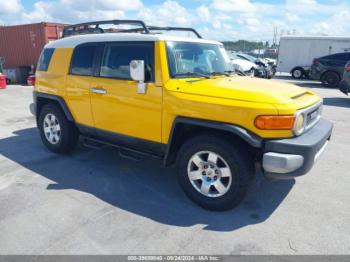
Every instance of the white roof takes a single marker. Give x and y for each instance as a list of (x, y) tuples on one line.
[(73, 41)]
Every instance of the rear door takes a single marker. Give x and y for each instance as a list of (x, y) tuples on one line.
[(117, 107), (78, 83)]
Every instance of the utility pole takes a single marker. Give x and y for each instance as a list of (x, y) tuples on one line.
[(275, 32)]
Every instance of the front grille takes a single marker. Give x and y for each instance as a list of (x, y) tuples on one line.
[(312, 116)]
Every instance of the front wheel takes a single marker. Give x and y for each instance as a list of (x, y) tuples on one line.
[(213, 173)]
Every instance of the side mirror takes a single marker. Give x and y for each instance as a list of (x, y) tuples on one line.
[(137, 73)]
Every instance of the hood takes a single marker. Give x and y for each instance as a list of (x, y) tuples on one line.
[(244, 64), (248, 89)]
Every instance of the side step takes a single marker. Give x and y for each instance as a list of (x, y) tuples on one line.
[(124, 152), (93, 144), (128, 154)]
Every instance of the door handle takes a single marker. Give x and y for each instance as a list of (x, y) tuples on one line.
[(98, 90)]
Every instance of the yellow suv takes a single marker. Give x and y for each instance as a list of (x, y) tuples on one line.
[(176, 99)]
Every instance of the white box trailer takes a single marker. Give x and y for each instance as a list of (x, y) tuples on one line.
[(298, 52)]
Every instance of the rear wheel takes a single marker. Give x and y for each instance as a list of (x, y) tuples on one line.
[(57, 133), (330, 79), (213, 173)]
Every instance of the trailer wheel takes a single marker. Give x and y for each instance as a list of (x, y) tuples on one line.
[(297, 73)]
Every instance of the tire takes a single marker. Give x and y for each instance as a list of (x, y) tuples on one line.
[(232, 160), (330, 79), (297, 73), (57, 133)]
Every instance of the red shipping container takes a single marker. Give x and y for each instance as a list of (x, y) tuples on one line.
[(2, 81), (21, 45)]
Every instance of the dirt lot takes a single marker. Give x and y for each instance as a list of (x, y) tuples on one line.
[(95, 202)]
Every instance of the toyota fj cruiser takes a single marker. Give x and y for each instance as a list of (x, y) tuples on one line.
[(176, 99)]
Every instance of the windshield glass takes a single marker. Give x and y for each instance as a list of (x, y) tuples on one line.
[(189, 59), (249, 57), (233, 56)]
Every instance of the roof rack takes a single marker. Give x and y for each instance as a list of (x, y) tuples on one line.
[(86, 28), (164, 28), (170, 28)]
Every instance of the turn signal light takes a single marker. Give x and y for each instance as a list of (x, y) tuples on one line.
[(284, 122)]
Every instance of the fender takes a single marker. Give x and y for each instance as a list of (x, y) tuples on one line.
[(247, 136), (58, 99)]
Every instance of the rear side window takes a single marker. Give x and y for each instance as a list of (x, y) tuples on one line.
[(83, 60), (339, 56), (116, 60), (45, 58)]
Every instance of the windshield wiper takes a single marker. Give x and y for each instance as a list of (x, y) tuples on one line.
[(225, 73), (189, 74), (240, 73)]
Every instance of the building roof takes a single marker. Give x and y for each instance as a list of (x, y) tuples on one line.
[(73, 41)]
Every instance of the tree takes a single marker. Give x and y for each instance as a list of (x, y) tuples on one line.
[(244, 45)]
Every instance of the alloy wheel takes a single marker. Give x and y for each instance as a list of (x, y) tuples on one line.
[(209, 174), (52, 129)]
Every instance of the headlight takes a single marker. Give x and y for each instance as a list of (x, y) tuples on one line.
[(299, 124)]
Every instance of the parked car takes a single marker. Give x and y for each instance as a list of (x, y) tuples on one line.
[(31, 80), (239, 64), (173, 99), (329, 69), (2, 81), (265, 70), (344, 85)]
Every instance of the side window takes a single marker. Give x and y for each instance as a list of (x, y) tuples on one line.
[(82, 60), (44, 59), (117, 57), (347, 56), (340, 56)]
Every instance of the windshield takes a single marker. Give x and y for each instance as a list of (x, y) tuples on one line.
[(248, 57), (233, 56), (195, 59)]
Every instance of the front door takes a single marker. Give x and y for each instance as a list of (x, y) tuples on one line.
[(117, 107)]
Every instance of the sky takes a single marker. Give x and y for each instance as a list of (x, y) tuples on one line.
[(214, 19)]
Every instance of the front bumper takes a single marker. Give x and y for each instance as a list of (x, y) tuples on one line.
[(344, 86), (263, 72), (292, 157)]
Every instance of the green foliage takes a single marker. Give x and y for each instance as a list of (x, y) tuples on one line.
[(244, 45)]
